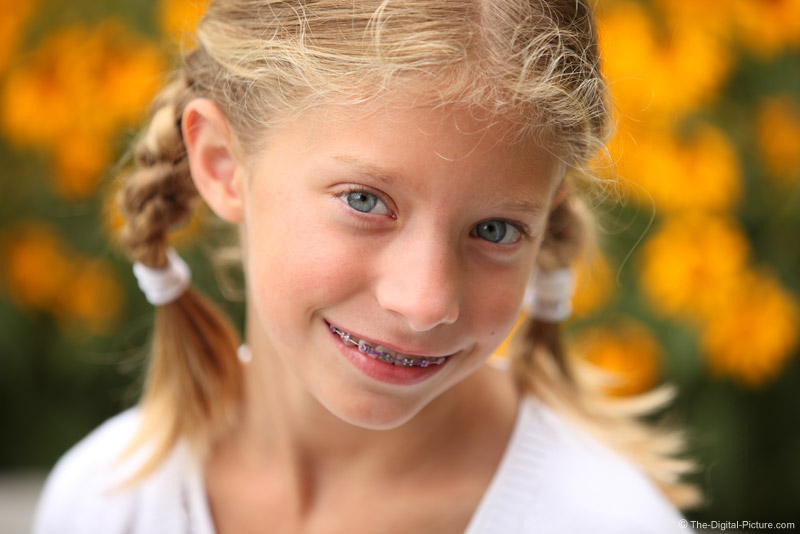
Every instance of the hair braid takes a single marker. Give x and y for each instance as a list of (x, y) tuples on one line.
[(542, 367), (194, 379), (159, 193)]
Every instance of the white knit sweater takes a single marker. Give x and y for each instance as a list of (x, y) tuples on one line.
[(552, 479)]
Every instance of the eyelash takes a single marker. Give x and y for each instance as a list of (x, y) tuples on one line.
[(522, 228)]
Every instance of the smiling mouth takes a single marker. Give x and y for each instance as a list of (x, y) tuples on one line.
[(386, 355)]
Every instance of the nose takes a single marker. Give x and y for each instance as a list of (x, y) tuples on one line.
[(420, 281)]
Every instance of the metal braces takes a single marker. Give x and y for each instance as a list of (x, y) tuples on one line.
[(366, 348)]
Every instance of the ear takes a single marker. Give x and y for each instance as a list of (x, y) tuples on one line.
[(212, 159)]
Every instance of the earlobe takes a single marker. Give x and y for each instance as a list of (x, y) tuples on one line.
[(212, 159)]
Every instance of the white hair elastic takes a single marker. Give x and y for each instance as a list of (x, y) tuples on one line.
[(549, 295), (164, 285)]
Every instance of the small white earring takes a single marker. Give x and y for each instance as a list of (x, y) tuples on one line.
[(244, 354)]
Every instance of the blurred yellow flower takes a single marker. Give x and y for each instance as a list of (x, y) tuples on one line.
[(778, 129), (178, 18), (12, 25), (93, 297), (594, 285), (696, 64), (716, 16), (80, 162), (36, 265), (36, 109), (627, 43), (627, 350), (42, 272), (133, 73), (767, 27), (752, 336), (691, 261), (656, 73), (699, 170), (73, 94)]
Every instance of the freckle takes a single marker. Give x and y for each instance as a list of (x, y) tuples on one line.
[(492, 333)]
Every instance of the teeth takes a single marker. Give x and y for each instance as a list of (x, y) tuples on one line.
[(386, 355)]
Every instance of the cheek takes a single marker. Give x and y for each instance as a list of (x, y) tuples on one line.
[(295, 266), (498, 304), (495, 311)]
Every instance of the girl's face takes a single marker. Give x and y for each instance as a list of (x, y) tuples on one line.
[(411, 228)]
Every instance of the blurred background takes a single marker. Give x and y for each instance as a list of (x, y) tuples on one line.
[(697, 281)]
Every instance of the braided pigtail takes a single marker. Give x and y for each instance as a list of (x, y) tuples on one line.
[(571, 387), (193, 383)]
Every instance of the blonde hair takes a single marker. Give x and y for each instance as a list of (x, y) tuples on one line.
[(533, 62)]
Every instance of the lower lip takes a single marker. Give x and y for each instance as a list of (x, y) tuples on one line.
[(385, 372)]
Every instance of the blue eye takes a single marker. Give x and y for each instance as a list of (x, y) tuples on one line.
[(496, 231), (365, 202)]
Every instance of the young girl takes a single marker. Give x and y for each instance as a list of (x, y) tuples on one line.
[(401, 176)]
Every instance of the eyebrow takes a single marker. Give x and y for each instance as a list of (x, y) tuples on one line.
[(388, 176), (369, 169), (520, 204)]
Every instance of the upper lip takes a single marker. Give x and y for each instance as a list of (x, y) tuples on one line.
[(413, 351)]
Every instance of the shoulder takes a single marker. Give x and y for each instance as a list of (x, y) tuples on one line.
[(596, 481), (88, 491), (557, 478)]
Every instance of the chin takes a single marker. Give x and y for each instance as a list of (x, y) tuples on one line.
[(373, 413)]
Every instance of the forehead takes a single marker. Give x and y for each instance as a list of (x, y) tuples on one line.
[(398, 136)]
